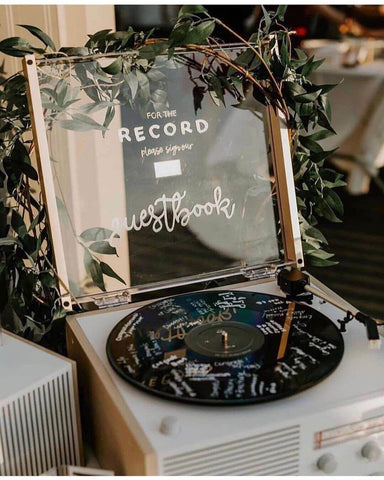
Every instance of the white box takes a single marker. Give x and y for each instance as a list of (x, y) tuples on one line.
[(39, 414)]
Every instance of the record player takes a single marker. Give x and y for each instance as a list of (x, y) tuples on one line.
[(218, 356)]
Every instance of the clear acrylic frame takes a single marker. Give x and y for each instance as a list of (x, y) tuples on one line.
[(164, 195)]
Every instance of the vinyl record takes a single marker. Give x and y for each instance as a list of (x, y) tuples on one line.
[(225, 347)]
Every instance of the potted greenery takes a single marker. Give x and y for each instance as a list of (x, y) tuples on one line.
[(29, 297)]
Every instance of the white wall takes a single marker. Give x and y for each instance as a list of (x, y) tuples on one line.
[(68, 25)]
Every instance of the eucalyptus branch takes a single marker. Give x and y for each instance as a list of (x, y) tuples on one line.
[(272, 78), (238, 68)]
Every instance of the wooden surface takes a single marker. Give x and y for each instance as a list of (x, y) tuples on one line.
[(116, 438)]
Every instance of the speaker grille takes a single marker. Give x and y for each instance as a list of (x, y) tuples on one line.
[(271, 453), (38, 429)]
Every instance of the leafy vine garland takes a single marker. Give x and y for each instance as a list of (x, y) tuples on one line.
[(277, 75)]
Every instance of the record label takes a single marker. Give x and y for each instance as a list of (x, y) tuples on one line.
[(225, 347)]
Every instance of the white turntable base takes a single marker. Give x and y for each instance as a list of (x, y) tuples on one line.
[(270, 438)]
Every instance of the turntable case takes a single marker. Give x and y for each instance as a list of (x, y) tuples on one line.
[(85, 169)]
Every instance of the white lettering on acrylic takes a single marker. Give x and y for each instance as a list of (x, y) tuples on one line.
[(151, 129), (169, 129), (168, 149), (169, 212)]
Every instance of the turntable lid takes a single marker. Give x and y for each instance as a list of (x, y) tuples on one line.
[(153, 189)]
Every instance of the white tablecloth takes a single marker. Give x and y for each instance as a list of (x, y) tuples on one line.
[(358, 118)]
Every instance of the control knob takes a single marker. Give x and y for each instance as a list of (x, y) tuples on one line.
[(169, 426), (371, 451), (327, 463)]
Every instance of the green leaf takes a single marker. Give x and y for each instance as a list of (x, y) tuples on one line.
[(323, 121), (334, 201), (156, 75), (107, 270), (74, 125), (267, 18), (132, 82), (245, 58), (46, 39), (159, 96), (108, 118), (21, 160), (93, 268), (142, 62), (198, 34), (96, 234), (324, 208), (96, 37), (16, 47), (284, 54), (311, 66), (315, 233), (320, 135), (152, 51), (29, 171), (145, 91), (59, 313), (322, 155), (280, 12), (294, 88), (102, 247), (191, 10), (179, 33), (18, 224), (47, 279), (5, 242), (301, 58), (94, 107), (202, 32), (320, 262), (327, 87), (80, 123), (62, 91), (114, 67), (75, 51), (238, 84), (216, 91), (198, 95), (4, 287), (120, 38), (307, 97), (171, 51), (313, 146)]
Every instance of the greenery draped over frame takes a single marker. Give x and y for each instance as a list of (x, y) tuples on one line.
[(277, 75)]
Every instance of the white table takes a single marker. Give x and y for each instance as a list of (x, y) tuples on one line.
[(358, 118)]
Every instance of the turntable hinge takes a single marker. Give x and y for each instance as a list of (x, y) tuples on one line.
[(252, 273), (113, 300)]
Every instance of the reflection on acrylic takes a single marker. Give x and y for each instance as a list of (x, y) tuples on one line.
[(194, 168)]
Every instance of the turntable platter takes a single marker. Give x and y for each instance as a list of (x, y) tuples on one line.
[(225, 347)]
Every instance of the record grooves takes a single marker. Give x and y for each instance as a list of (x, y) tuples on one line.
[(225, 347)]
